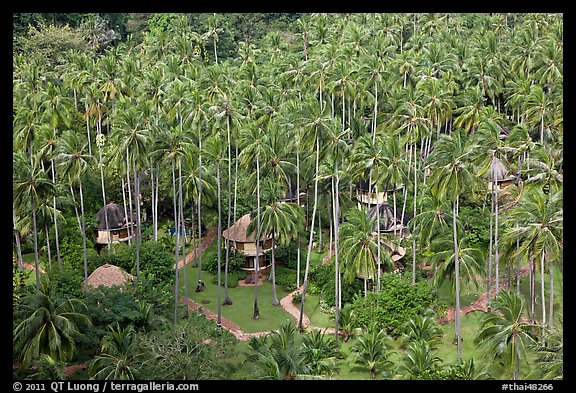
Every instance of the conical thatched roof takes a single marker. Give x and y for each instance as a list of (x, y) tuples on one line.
[(240, 231), (498, 170), (115, 217), (387, 221), (108, 275)]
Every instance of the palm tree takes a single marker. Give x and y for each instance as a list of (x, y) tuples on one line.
[(119, 355), (422, 327), (279, 220), (50, 325), (30, 186), (74, 161), (214, 148), (254, 140), (505, 333), (418, 359), (537, 221), (451, 176), (360, 248), (371, 350)]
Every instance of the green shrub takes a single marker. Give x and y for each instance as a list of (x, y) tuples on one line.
[(233, 278), (397, 302), (235, 260)]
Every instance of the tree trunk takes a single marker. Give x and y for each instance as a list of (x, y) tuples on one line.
[(49, 251), (275, 301), (219, 318), (378, 252), (336, 273), (56, 220), (177, 246), (298, 193), (414, 227), (457, 278), (256, 264), (85, 256), (103, 188), (131, 227), (138, 226), (496, 253), (183, 226), (311, 235), (532, 288), (227, 300), (542, 295), (200, 285), (551, 295), (17, 238), (125, 209)]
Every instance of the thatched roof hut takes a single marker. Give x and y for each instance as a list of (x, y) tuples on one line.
[(238, 231), (108, 275), (116, 219), (387, 221)]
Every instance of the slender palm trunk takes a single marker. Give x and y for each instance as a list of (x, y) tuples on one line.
[(48, 248), (490, 246), (298, 192), (138, 223), (176, 248), (543, 298), (155, 207), (109, 235), (85, 256), (311, 235), (153, 202), (457, 278), (131, 227), (88, 130), (226, 293), (414, 211), (35, 235), (532, 288), (74, 202), (18, 245), (378, 238), (496, 254), (551, 295), (56, 219), (219, 318), (275, 301), (183, 228), (125, 209), (517, 268), (336, 266), (256, 260), (200, 285)]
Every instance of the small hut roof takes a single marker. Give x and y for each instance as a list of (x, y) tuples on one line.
[(240, 231), (498, 170), (108, 275), (387, 221), (115, 215)]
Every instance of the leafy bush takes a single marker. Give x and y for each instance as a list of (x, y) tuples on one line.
[(397, 302), (233, 278), (235, 260), (68, 283)]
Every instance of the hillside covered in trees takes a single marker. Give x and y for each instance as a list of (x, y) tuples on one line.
[(288, 196)]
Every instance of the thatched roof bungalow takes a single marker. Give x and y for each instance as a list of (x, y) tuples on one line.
[(388, 223), (241, 241), (500, 174), (120, 229)]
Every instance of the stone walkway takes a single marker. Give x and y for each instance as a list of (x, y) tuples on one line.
[(481, 304)]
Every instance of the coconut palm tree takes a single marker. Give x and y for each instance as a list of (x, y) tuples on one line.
[(119, 355), (30, 188), (371, 350), (451, 176), (215, 150), (255, 142), (73, 161), (422, 327), (50, 325), (360, 248), (538, 222), (418, 359), (505, 333), (279, 220)]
